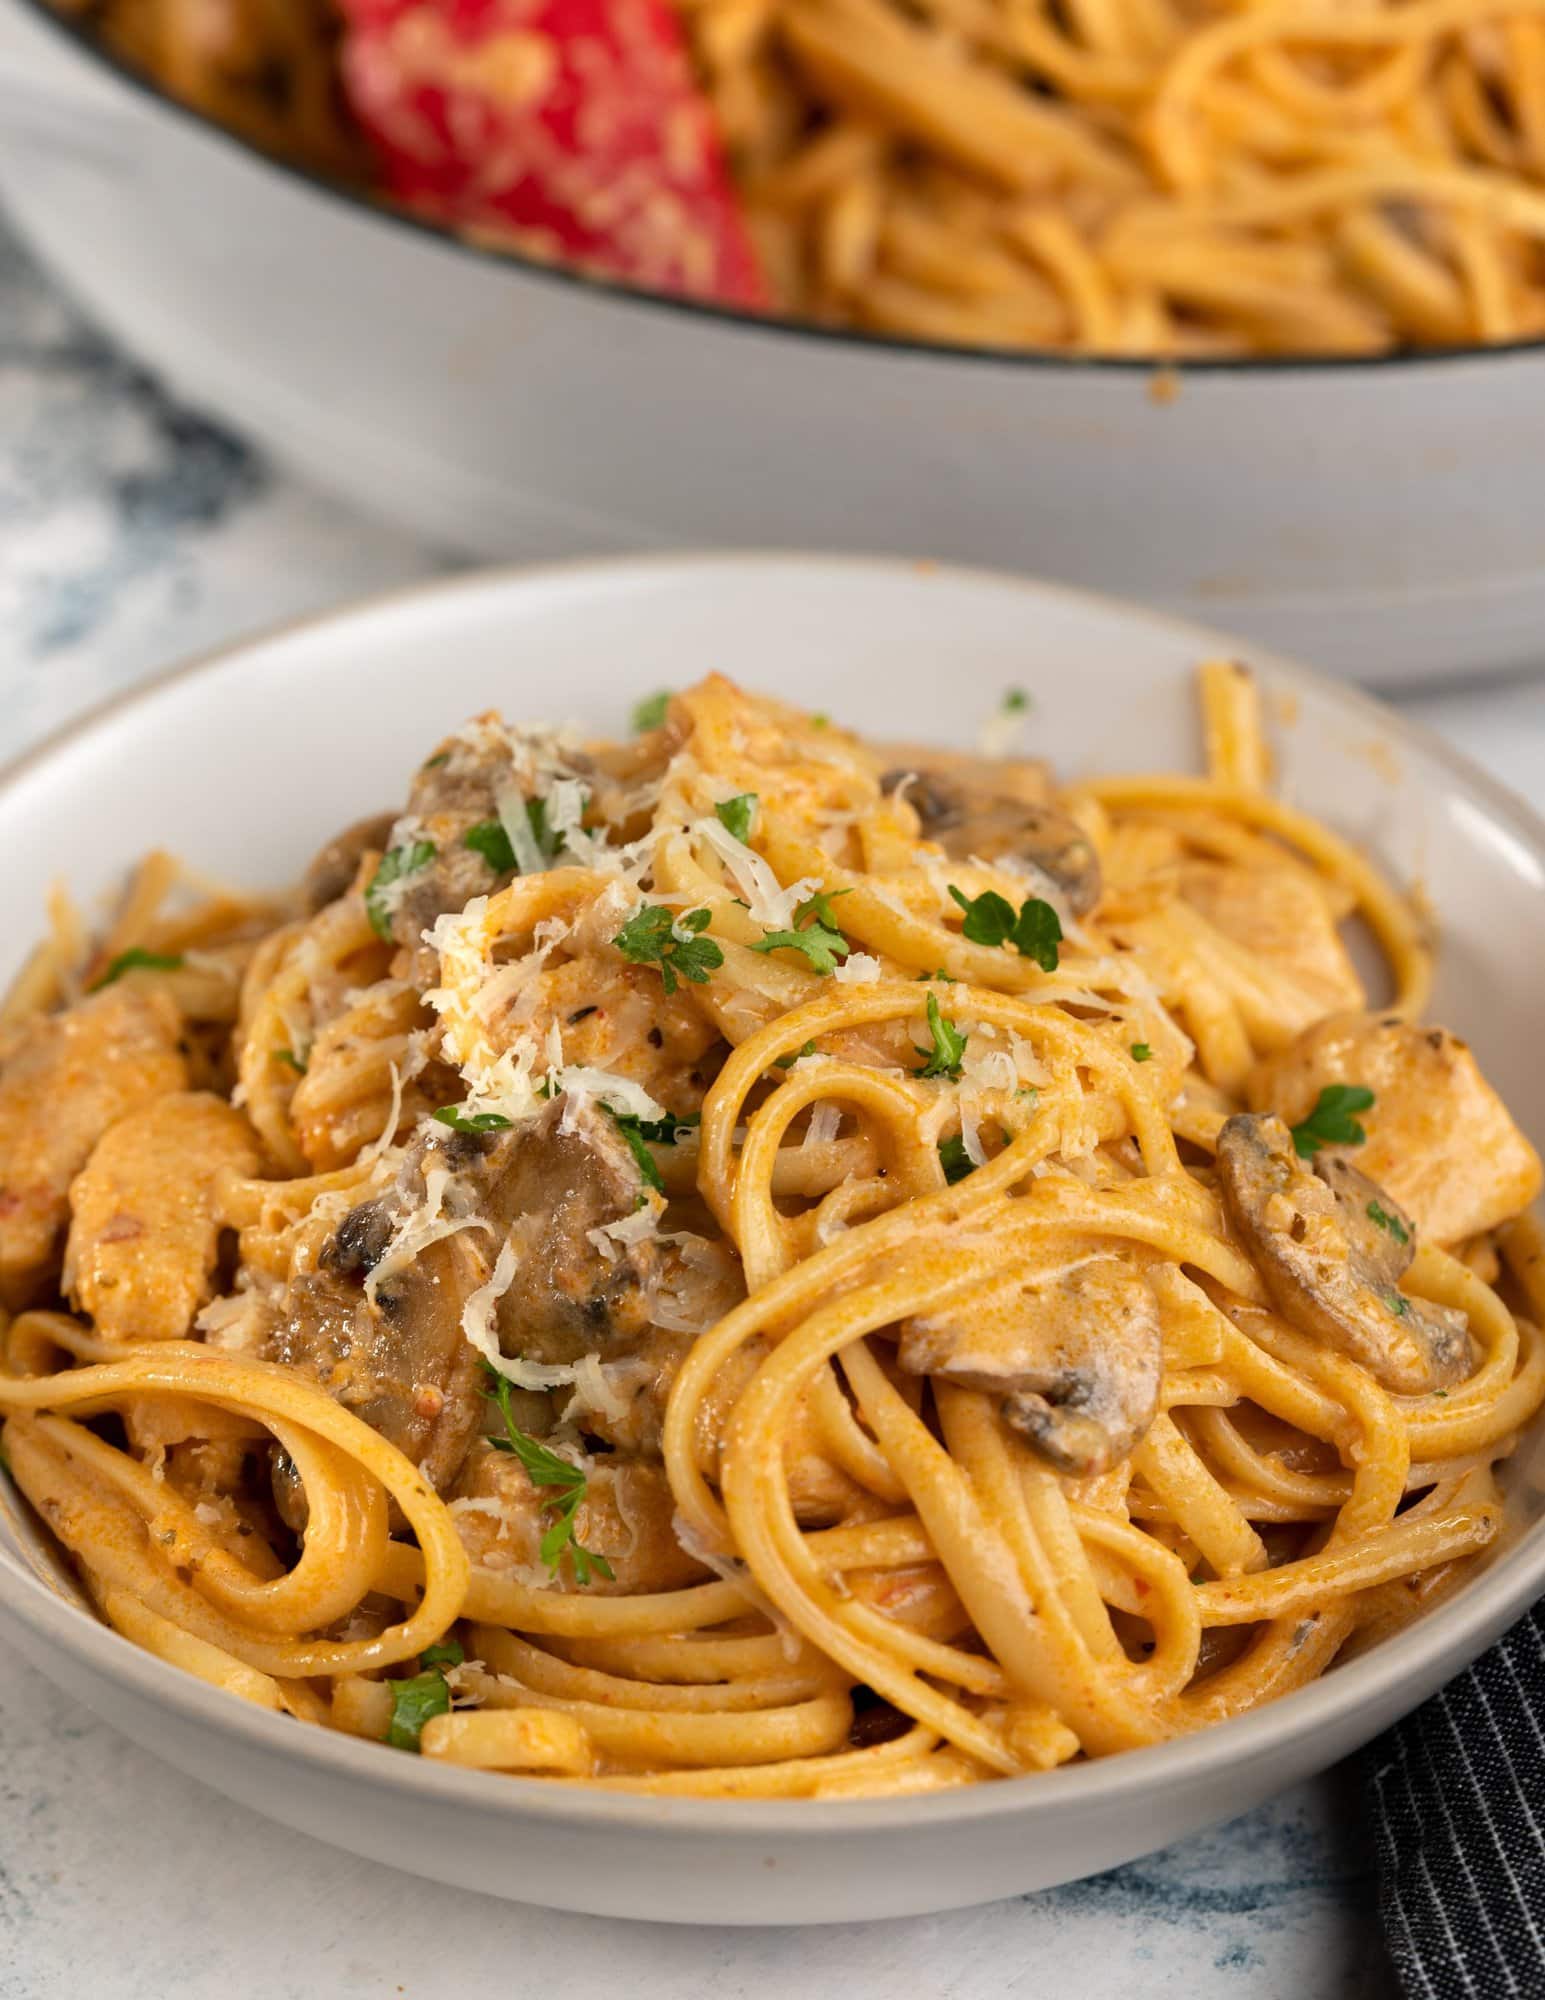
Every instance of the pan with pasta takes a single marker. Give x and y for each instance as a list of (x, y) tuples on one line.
[(1134, 177), (752, 1261)]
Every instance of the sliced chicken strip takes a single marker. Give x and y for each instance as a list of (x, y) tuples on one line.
[(65, 1079)]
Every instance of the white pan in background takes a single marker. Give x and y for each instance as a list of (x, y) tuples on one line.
[(1382, 517), (246, 761)]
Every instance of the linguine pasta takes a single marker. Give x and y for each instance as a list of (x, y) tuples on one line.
[(1117, 177), (745, 1262)]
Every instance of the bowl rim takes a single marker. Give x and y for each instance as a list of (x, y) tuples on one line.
[(1461, 1625), (799, 332)]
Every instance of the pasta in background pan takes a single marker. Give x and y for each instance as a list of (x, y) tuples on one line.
[(1129, 177), (750, 1263)]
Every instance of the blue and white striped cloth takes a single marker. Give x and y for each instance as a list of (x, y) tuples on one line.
[(1457, 1798)]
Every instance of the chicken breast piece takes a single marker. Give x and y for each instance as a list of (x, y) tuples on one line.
[(65, 1079), (1279, 916), (145, 1230), (625, 1516), (1440, 1140)]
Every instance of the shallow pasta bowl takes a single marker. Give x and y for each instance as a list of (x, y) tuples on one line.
[(246, 760)]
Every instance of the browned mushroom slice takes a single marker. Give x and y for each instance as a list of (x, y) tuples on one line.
[(971, 806), (379, 1323), (333, 868), (1332, 1247), (1075, 1353), (398, 1358)]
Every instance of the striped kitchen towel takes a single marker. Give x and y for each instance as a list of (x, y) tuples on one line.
[(1456, 1793)]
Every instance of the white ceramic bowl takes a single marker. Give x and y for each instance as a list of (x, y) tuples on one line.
[(245, 761), (1380, 517)]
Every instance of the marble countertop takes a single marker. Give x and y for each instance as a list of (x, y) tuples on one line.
[(132, 533)]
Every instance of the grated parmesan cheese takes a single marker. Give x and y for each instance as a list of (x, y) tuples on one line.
[(769, 903), (858, 969)]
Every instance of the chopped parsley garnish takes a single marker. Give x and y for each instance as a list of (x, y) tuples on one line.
[(299, 1063), (434, 763), (948, 978), (819, 939), (447, 1654), (653, 935), (1381, 1218), (955, 1160), (650, 712), (413, 1703), (137, 959), (949, 1045), (632, 1131), (1015, 701), (392, 867), (788, 1062), (990, 920), (545, 1468), (1331, 1122), (666, 1131), (1398, 1303), (545, 837), (489, 839), (1141, 1052), (738, 815), (641, 1133), (820, 720), (476, 1121)]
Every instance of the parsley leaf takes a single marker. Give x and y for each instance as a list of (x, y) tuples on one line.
[(137, 959), (299, 1063), (632, 1131), (1331, 1122), (949, 1045), (737, 815), (1381, 1218), (1038, 932), (990, 920), (1141, 1052), (392, 867), (476, 1121), (788, 1062), (489, 839), (433, 763), (1015, 701), (666, 1131), (1398, 1303), (413, 1703), (653, 936), (650, 712), (447, 1654), (955, 1160), (545, 1468), (819, 938), (947, 978), (820, 720)]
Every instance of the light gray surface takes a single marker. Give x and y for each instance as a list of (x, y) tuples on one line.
[(130, 535)]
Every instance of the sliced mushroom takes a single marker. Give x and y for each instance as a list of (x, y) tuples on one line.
[(333, 867), (1332, 1247), (1075, 1354), (970, 806), (379, 1322)]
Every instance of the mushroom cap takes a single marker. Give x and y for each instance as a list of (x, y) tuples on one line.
[(1331, 1246)]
